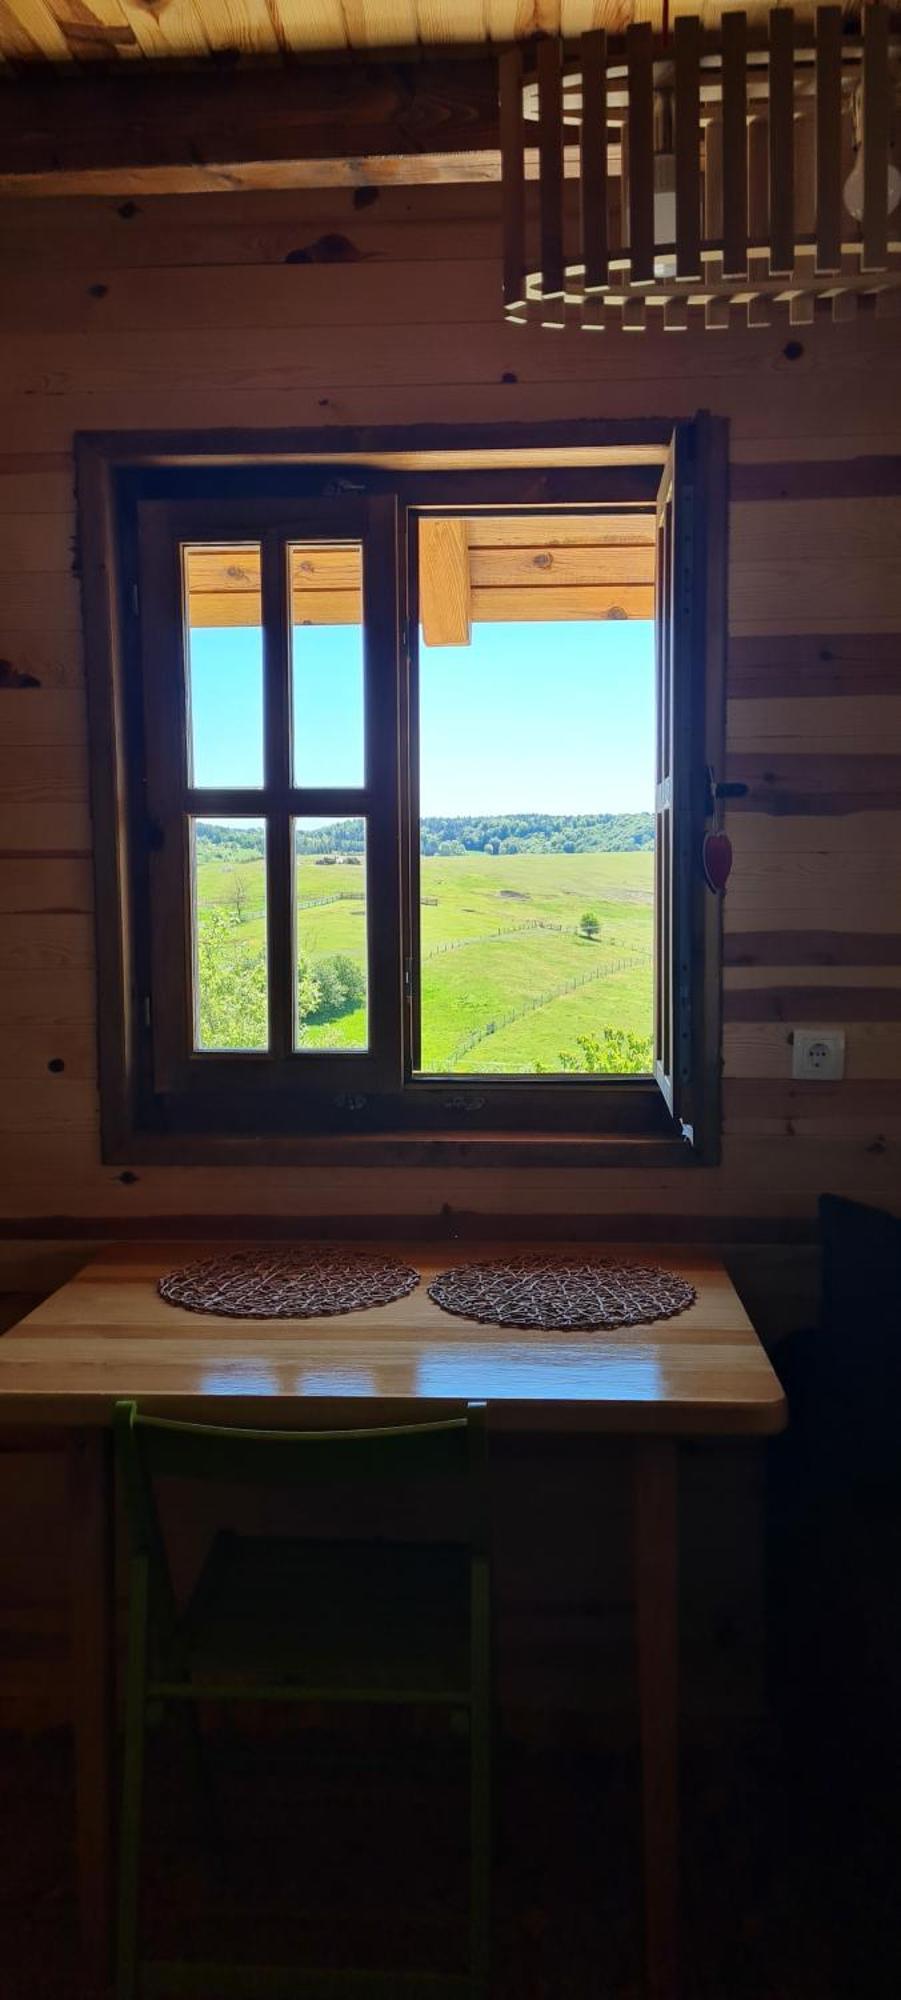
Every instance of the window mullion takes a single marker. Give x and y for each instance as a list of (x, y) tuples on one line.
[(277, 757), (382, 582), (410, 809)]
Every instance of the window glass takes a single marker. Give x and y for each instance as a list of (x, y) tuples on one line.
[(327, 663), (536, 784), (224, 665), (331, 944), (229, 944)]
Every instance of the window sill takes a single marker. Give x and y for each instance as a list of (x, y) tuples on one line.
[(406, 1149)]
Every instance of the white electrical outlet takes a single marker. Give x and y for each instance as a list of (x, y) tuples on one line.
[(818, 1054)]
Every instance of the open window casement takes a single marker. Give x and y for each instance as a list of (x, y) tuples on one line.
[(689, 619)]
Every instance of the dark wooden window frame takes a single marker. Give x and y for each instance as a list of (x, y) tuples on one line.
[(207, 1079), (278, 1108)]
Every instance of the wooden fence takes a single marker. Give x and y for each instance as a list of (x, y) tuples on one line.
[(544, 1000)]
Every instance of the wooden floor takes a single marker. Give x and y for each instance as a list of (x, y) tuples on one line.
[(321, 1837)]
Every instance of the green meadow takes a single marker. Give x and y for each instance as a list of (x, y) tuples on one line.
[(509, 980)]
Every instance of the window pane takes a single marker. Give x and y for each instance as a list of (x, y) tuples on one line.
[(224, 653), (228, 870), (536, 796), (327, 653), (332, 935)]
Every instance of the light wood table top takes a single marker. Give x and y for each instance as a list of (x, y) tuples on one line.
[(108, 1334)]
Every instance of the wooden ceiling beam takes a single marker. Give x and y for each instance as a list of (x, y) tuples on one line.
[(536, 568), (445, 582), (566, 531), (312, 125), (478, 569), (558, 603)]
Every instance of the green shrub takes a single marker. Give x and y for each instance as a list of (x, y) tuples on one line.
[(341, 987), (615, 1052)]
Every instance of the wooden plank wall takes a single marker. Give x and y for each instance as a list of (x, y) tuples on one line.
[(383, 307), (376, 307)]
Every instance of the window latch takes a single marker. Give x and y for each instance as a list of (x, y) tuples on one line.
[(721, 788)]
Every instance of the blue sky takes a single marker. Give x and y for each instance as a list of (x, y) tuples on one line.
[(528, 718)]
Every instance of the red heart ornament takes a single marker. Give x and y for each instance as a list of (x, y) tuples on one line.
[(717, 859)]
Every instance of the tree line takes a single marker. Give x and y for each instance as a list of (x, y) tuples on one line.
[(507, 833)]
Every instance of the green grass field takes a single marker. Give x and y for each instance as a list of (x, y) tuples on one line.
[(501, 949)]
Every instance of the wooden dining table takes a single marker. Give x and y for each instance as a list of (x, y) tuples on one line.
[(107, 1334)]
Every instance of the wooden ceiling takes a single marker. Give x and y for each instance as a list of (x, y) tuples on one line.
[(191, 96), (88, 31)]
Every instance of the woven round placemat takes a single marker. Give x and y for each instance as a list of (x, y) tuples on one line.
[(306, 1283), (561, 1292)]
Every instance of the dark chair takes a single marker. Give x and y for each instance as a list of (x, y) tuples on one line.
[(834, 1562), (300, 1620)]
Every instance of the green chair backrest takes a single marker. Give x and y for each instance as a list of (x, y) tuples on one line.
[(152, 1448)]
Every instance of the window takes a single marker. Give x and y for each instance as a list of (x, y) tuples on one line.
[(401, 771), (534, 766)]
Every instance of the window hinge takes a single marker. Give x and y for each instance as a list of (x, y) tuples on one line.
[(147, 1010), (135, 600), (408, 978)]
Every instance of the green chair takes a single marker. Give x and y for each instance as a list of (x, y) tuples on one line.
[(302, 1620)]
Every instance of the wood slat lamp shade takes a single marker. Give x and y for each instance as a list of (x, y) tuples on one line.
[(735, 145), (829, 139), (593, 160), (688, 147), (550, 160), (513, 178), (781, 135), (756, 143), (876, 108), (640, 59)]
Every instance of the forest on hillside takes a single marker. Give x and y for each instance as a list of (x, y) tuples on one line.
[(506, 833)]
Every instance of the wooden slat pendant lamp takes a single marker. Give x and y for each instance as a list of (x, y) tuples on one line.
[(719, 177)]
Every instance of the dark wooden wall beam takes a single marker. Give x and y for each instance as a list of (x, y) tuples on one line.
[(309, 125)]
